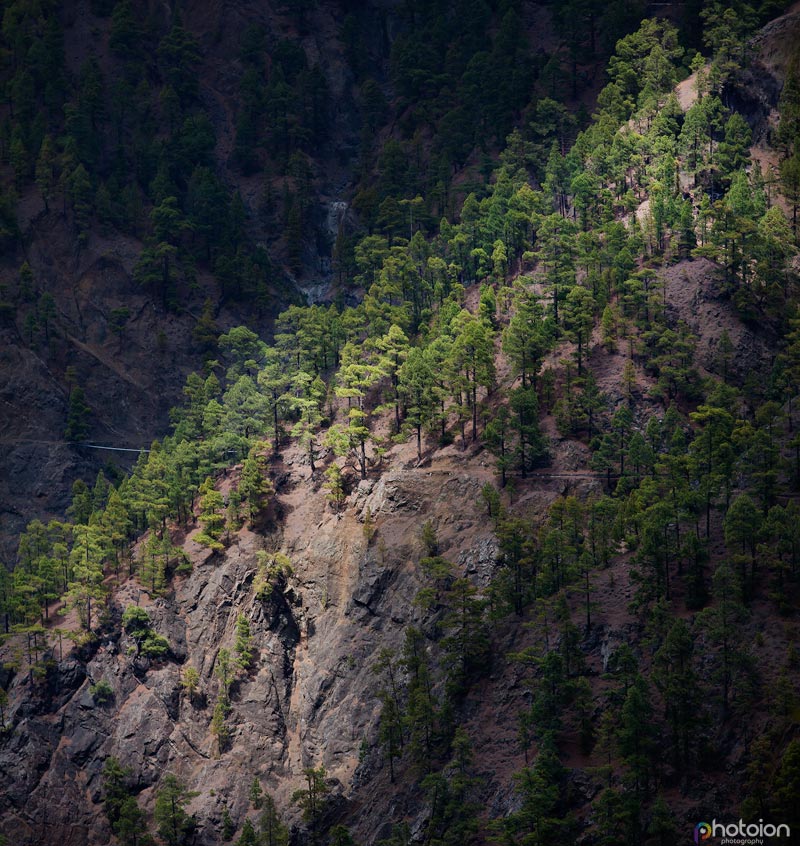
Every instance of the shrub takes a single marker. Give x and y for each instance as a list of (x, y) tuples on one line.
[(101, 692)]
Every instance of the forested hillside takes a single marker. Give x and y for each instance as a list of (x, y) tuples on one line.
[(496, 542), (171, 172)]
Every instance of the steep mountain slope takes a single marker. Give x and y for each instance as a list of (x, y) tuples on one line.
[(282, 111), (310, 699), (106, 333), (600, 649)]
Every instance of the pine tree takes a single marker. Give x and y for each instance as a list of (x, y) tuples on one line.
[(190, 682), (758, 777), (541, 817), (248, 836), (394, 350), (211, 517), (312, 799), (416, 388), (390, 730), (472, 358), (271, 829), (256, 794), (637, 734), (18, 156), (45, 171), (517, 583), (466, 644), (524, 339), (175, 826), (254, 486), (224, 672), (675, 678), (86, 565), (308, 395), (530, 447), (115, 789), (131, 826), (228, 825), (790, 179), (275, 377), (81, 193), (244, 643), (136, 623), (612, 817), (711, 452), (557, 256), (152, 568), (497, 436), (743, 525), (77, 427), (421, 712), (722, 623), (579, 320), (335, 482), (116, 524), (608, 326), (786, 795), (219, 728)]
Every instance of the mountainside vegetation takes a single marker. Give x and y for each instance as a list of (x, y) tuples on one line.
[(521, 297), (189, 170)]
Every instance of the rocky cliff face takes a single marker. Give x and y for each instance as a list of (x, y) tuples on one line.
[(310, 697)]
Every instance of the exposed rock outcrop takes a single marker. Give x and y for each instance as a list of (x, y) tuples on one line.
[(309, 698)]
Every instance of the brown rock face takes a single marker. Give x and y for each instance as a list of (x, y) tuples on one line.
[(309, 698)]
